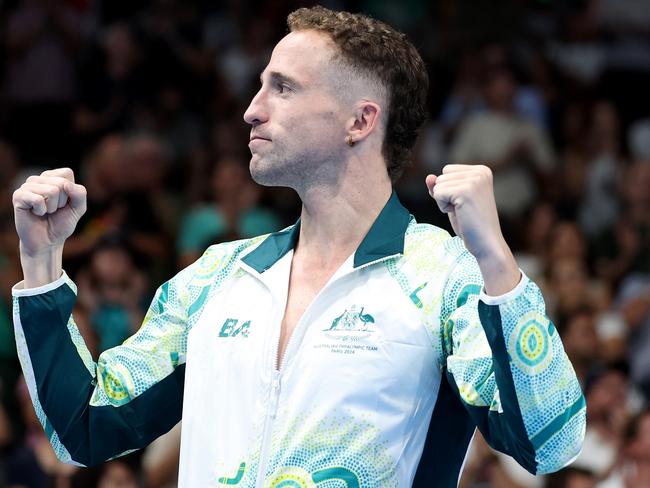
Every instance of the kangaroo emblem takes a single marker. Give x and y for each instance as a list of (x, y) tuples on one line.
[(351, 320)]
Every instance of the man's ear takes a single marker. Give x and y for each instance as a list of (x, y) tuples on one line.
[(365, 121)]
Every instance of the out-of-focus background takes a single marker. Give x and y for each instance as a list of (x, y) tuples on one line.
[(144, 100)]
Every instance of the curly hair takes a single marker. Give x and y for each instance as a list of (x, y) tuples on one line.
[(378, 51)]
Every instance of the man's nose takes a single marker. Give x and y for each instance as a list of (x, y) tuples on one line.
[(256, 113)]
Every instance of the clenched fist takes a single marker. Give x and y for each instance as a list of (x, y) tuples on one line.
[(46, 210), (465, 193)]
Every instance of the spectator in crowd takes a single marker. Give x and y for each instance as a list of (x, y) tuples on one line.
[(598, 208), (124, 472), (574, 156), (233, 213), (118, 474), (625, 246), (168, 117), (105, 177), (486, 467), (572, 478), (608, 411), (153, 209), (516, 149), (639, 140), (241, 63), (534, 237), (160, 460), (127, 176), (113, 295), (569, 282), (9, 272), (466, 98), (174, 29), (578, 332), (30, 461), (42, 39), (634, 303), (112, 84), (636, 452)]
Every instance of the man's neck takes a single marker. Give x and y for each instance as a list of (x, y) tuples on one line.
[(334, 220)]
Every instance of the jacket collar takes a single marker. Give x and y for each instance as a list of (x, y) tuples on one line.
[(385, 238)]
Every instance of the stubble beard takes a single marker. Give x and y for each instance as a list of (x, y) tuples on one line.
[(277, 169), (296, 169)]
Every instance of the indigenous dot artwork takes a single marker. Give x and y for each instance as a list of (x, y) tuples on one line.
[(154, 352), (468, 354), (292, 477), (554, 451), (538, 364), (531, 342), (332, 452), (543, 372)]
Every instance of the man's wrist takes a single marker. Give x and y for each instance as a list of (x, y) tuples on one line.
[(499, 270), (41, 268)]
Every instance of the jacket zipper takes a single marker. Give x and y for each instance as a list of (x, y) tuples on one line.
[(268, 428), (271, 410), (276, 376)]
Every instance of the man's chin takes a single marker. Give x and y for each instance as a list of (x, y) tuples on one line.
[(264, 175)]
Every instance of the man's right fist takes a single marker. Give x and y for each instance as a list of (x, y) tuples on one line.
[(46, 209)]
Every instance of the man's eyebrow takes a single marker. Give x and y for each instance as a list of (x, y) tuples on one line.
[(278, 77)]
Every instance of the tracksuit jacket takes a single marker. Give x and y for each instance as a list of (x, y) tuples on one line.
[(387, 374)]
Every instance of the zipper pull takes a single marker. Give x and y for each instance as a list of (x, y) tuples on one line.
[(275, 393)]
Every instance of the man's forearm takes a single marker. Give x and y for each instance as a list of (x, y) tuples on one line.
[(43, 268), (499, 270)]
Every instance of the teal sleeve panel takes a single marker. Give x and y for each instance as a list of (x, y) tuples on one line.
[(93, 412), (508, 366)]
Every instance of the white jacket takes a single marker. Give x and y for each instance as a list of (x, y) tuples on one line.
[(398, 358)]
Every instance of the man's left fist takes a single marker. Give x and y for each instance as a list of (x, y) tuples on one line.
[(465, 193)]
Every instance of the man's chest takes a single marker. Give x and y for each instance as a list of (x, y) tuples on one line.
[(353, 320), (305, 284)]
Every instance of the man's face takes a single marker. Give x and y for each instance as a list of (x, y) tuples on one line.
[(297, 119)]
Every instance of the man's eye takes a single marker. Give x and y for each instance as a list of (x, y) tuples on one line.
[(281, 87)]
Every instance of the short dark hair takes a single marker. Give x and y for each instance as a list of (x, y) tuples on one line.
[(378, 50)]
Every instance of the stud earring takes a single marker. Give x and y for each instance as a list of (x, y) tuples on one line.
[(349, 141)]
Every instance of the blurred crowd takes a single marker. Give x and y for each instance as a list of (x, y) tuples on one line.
[(144, 100)]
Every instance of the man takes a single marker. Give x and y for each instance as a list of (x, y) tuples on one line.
[(323, 352)]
